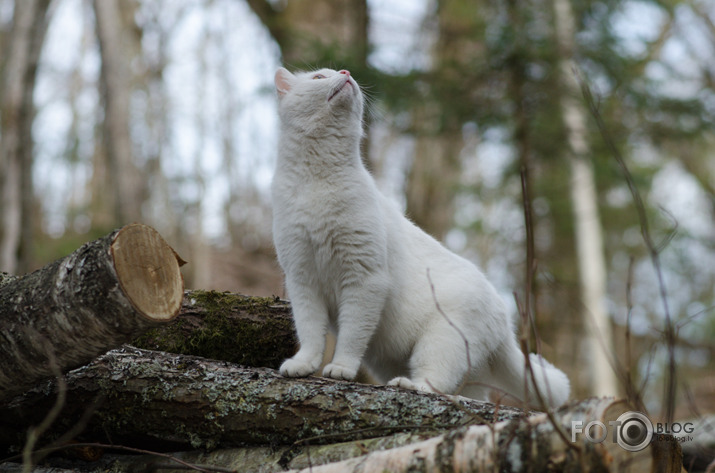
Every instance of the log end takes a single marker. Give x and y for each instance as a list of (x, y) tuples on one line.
[(148, 272)]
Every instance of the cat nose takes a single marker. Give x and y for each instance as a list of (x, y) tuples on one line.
[(347, 73)]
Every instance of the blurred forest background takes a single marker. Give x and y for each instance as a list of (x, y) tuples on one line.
[(163, 112)]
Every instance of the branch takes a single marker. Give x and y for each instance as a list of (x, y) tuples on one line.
[(653, 248)]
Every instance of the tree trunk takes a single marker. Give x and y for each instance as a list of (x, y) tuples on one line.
[(309, 32), (442, 107), (104, 294), (316, 33), (124, 176), (434, 176), (16, 150), (589, 231), (250, 331), (144, 398)]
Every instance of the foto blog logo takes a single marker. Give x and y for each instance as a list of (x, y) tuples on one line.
[(632, 431)]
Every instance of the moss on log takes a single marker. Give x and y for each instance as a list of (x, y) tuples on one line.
[(251, 331)]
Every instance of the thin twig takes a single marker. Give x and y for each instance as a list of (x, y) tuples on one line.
[(192, 467), (653, 248), (531, 266), (34, 433), (633, 394), (526, 317), (548, 411), (376, 428), (459, 331)]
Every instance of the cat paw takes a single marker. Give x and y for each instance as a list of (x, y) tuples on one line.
[(296, 369), (402, 382), (336, 371)]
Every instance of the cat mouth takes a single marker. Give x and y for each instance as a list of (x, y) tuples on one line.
[(337, 91)]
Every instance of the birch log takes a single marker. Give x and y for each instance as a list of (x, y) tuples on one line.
[(523, 444), (587, 223), (104, 294)]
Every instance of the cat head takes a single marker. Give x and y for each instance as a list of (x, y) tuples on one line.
[(323, 101)]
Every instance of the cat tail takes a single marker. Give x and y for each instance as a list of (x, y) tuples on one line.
[(509, 372)]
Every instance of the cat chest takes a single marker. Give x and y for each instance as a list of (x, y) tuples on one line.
[(342, 253), (335, 235)]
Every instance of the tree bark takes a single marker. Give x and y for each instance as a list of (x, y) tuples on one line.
[(16, 150), (523, 444), (250, 331), (103, 295), (515, 443), (164, 401)]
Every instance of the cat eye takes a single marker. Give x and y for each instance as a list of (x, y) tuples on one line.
[(318, 76)]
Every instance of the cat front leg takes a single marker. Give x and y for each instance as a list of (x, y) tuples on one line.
[(358, 317), (310, 315)]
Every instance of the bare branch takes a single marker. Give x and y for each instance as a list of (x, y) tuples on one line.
[(653, 249)]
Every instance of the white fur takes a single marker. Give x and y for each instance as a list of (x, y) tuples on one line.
[(354, 264)]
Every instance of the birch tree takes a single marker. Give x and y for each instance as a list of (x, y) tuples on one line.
[(591, 260), (18, 83)]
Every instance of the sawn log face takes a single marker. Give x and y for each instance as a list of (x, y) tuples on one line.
[(67, 313)]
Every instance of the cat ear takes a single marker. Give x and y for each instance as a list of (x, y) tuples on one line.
[(284, 81)]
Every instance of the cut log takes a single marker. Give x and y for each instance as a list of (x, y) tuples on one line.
[(526, 444), (243, 460), (520, 444), (101, 296), (247, 330), (160, 400), (699, 450)]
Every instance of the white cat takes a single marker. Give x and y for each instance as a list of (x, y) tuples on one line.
[(355, 264)]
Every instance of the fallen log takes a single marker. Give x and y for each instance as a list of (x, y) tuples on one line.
[(166, 401), (520, 444), (247, 459), (525, 444), (247, 330), (101, 296), (699, 450)]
